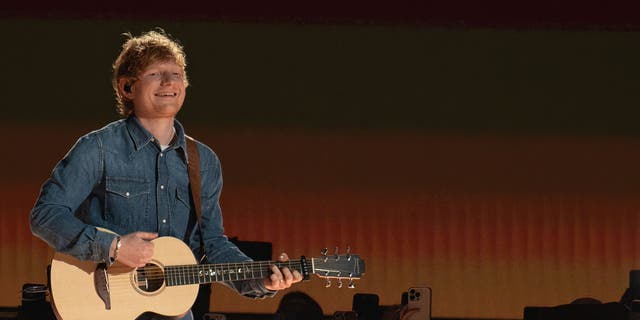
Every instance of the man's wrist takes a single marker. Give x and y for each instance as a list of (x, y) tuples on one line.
[(116, 249)]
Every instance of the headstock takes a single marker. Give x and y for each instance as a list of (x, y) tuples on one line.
[(338, 266)]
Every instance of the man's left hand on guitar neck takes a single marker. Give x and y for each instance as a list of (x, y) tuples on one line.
[(282, 278)]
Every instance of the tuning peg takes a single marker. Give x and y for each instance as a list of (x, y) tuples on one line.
[(324, 252), (339, 283), (328, 283), (352, 284), (348, 253)]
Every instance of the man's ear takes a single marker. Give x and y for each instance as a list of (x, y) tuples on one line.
[(125, 85)]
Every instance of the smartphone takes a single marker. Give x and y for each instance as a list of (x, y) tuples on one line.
[(418, 304), (214, 316)]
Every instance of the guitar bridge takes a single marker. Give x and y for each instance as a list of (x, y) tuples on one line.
[(101, 284)]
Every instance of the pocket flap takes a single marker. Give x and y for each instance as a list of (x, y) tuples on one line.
[(182, 194), (127, 187)]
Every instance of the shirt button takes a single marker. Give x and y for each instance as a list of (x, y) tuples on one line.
[(126, 194), (161, 154), (153, 140), (162, 187), (164, 220)]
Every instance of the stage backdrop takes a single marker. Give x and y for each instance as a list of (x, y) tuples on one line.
[(498, 167)]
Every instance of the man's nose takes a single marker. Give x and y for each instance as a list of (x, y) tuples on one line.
[(165, 77)]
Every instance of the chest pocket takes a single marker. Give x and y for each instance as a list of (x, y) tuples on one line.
[(182, 205), (127, 203)]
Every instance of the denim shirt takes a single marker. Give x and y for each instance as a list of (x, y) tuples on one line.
[(118, 178)]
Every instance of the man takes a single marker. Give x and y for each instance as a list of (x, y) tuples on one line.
[(131, 177)]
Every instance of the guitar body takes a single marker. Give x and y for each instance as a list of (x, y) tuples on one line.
[(74, 294)]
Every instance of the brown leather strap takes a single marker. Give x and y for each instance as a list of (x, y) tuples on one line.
[(193, 166)]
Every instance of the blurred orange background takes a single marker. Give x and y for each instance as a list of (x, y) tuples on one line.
[(497, 166)]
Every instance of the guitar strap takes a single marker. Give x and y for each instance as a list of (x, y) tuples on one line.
[(193, 167)]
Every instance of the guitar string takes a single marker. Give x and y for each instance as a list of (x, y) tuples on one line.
[(181, 273), (182, 279), (216, 267)]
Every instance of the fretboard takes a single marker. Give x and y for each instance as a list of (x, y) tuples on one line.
[(221, 272)]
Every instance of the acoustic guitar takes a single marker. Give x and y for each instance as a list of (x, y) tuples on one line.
[(168, 285)]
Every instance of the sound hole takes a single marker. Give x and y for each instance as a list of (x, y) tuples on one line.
[(149, 278)]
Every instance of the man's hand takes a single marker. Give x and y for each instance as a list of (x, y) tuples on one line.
[(282, 279), (135, 249)]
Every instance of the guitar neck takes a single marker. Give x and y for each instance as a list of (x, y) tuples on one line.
[(222, 272)]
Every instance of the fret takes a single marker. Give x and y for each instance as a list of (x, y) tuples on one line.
[(233, 271), (185, 272), (195, 274), (167, 276), (207, 273), (174, 275), (261, 274), (174, 280), (203, 274), (244, 271), (192, 275)]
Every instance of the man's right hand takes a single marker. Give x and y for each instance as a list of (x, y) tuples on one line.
[(135, 250)]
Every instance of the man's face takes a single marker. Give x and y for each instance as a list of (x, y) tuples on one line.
[(159, 91)]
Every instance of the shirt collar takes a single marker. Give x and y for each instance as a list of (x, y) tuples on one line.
[(141, 136)]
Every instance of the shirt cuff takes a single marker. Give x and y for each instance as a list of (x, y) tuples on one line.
[(265, 292), (252, 289), (103, 246)]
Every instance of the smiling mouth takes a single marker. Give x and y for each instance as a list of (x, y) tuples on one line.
[(166, 94)]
